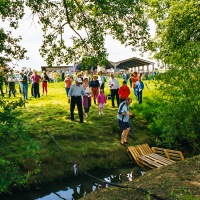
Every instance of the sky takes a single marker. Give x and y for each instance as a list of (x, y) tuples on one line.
[(32, 40)]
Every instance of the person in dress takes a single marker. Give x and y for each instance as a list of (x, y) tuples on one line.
[(101, 101), (87, 98)]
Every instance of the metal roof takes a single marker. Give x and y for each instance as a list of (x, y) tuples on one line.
[(131, 62)]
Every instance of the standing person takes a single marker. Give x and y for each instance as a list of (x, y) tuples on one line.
[(45, 79), (114, 87), (68, 83), (139, 88), (86, 75), (124, 92), (102, 80), (24, 84), (32, 89), (87, 98), (94, 85), (123, 119), (36, 80), (130, 80), (125, 76), (11, 83), (134, 80), (75, 93), (63, 75), (101, 101), (54, 76), (2, 80)]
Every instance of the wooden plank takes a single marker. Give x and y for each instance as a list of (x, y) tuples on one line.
[(161, 158), (157, 159), (173, 154), (153, 157), (149, 161), (148, 149), (134, 153)]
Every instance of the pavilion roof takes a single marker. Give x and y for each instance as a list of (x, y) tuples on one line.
[(129, 63)]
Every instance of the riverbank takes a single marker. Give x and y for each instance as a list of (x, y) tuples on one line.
[(180, 181)]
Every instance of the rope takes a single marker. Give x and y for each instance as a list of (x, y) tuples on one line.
[(98, 179)]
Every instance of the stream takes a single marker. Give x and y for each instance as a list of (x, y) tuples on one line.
[(76, 187)]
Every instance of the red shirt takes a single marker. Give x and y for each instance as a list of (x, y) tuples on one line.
[(134, 80), (68, 82), (124, 92)]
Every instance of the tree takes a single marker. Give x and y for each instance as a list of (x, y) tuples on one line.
[(90, 22), (177, 44)]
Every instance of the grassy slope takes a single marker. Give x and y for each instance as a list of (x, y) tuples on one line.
[(180, 181), (93, 144)]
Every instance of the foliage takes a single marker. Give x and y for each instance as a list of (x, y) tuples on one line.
[(177, 44), (10, 48), (177, 116), (75, 29), (11, 129), (177, 38)]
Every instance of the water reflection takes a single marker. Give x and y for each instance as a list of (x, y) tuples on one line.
[(76, 187)]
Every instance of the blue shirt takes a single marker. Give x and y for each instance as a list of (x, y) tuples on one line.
[(76, 91), (139, 85), (123, 108)]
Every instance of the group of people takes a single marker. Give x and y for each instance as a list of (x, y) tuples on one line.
[(10, 79), (83, 91), (88, 87)]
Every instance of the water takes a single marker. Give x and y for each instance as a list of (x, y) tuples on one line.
[(76, 187)]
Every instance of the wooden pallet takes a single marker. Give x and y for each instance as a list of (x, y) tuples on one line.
[(154, 157)]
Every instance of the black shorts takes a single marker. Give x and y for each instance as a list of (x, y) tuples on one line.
[(123, 125)]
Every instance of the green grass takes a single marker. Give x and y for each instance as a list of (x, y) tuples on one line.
[(93, 144)]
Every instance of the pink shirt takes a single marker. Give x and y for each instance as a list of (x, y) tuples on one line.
[(101, 98), (35, 78)]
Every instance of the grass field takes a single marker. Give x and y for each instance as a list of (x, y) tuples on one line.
[(93, 144)]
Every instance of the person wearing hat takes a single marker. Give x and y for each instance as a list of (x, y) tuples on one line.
[(75, 98), (94, 85)]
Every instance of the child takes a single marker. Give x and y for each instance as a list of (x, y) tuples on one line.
[(101, 101)]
